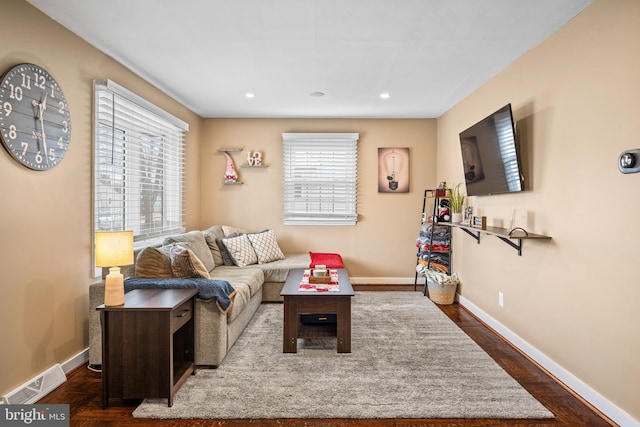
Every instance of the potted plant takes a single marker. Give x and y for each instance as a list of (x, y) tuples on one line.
[(456, 200)]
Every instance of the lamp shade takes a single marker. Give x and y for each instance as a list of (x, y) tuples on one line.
[(114, 248)]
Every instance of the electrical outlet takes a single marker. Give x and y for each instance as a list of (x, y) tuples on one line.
[(500, 299)]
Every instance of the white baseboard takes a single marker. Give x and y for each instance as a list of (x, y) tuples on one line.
[(567, 378), (77, 360), (385, 280)]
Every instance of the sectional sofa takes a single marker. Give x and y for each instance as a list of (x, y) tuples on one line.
[(252, 263)]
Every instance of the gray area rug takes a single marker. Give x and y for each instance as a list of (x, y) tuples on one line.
[(408, 360)]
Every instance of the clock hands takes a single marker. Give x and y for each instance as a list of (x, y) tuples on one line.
[(40, 116)]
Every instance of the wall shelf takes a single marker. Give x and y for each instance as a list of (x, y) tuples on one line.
[(517, 234), (229, 150), (248, 166)]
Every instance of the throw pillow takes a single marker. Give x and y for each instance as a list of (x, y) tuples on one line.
[(266, 246), (227, 259), (210, 235), (228, 230), (197, 243), (154, 263), (241, 250), (185, 263)]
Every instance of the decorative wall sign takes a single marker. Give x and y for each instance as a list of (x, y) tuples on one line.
[(254, 158), (393, 170)]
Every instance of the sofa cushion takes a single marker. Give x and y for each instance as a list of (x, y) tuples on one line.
[(250, 276), (278, 271), (240, 249), (185, 263), (210, 235), (153, 263), (197, 243), (266, 246)]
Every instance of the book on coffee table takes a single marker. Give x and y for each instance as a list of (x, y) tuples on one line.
[(311, 283)]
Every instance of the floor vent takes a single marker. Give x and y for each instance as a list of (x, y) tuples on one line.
[(37, 388)]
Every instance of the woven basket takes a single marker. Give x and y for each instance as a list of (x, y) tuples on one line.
[(443, 294)]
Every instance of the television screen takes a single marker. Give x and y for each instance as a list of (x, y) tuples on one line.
[(490, 155)]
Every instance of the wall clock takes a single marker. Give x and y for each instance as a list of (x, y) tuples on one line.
[(35, 124)]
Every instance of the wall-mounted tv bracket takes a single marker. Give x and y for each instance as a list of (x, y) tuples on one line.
[(629, 161)]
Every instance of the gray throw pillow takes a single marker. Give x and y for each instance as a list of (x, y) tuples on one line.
[(224, 252)]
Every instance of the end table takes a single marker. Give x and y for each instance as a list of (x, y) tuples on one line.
[(148, 344)]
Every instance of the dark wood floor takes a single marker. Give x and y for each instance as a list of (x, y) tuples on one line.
[(82, 392)]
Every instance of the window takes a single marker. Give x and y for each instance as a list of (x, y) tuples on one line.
[(320, 178), (138, 165)]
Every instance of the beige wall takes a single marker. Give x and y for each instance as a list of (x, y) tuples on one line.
[(45, 220), (381, 245), (576, 102)]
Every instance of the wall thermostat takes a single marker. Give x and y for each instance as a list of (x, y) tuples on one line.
[(629, 161)]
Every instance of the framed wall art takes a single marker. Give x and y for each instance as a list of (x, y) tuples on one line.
[(393, 170)]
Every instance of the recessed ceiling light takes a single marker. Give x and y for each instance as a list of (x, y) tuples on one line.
[(250, 95), (317, 94), (385, 95)]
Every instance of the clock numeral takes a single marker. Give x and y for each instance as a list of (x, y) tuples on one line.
[(12, 132), (52, 154), (26, 81), (7, 108), (16, 92), (60, 144), (39, 81), (53, 91), (61, 109), (25, 146), (65, 126), (38, 157)]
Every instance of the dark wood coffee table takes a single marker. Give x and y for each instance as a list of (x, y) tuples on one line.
[(298, 302)]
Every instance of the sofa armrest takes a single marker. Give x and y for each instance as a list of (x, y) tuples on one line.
[(96, 297)]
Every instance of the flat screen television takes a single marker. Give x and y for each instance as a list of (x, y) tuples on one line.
[(490, 155)]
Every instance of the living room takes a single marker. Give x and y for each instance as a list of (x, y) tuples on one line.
[(574, 98)]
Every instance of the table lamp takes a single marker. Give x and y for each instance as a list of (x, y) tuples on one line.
[(114, 249)]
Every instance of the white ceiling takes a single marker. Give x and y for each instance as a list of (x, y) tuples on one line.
[(427, 54)]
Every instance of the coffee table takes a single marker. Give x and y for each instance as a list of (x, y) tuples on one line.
[(298, 302)]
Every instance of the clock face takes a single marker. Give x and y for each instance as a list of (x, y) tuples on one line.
[(35, 124)]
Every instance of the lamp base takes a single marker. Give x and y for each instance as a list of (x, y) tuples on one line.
[(114, 288)]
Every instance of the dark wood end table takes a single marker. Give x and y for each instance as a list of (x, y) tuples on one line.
[(148, 344), (298, 302)]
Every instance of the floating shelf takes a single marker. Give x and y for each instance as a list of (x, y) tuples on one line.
[(248, 166), (229, 149), (517, 234), (232, 183)]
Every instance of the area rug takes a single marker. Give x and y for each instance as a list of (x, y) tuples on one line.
[(408, 360)]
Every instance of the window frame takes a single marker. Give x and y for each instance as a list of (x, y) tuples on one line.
[(128, 130), (320, 178)]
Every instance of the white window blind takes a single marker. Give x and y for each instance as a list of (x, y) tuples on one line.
[(138, 165), (320, 178)]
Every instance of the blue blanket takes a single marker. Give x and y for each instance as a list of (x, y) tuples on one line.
[(220, 290)]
